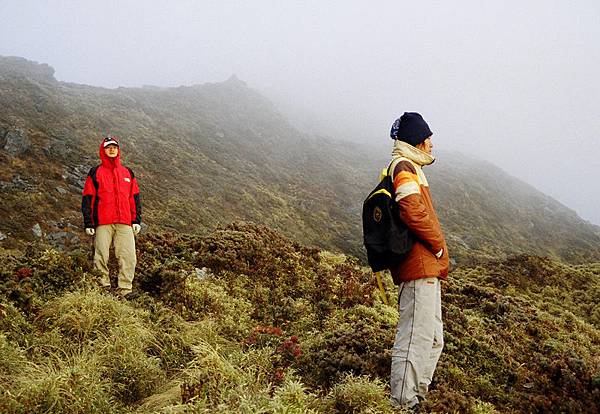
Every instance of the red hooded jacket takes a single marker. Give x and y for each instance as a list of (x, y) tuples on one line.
[(111, 194)]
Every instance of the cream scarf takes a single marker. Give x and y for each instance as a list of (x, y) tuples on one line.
[(405, 150)]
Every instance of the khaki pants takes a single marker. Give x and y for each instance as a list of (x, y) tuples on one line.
[(124, 241), (419, 340)]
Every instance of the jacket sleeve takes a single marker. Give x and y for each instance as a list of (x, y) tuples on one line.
[(135, 203), (87, 202), (413, 211)]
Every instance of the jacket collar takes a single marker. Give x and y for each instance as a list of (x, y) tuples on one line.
[(403, 149)]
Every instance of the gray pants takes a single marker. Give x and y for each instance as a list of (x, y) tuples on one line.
[(419, 340), (122, 237)]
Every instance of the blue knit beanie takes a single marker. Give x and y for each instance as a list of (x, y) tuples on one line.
[(410, 128)]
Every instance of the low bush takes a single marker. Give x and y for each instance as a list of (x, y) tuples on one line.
[(356, 340), (357, 395), (71, 385)]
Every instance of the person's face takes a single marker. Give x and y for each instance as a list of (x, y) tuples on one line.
[(426, 146), (111, 151)]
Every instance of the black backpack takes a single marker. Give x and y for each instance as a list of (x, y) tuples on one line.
[(386, 237)]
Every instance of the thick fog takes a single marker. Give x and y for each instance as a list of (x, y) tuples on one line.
[(514, 82)]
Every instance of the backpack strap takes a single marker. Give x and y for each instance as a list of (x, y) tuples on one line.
[(391, 167)]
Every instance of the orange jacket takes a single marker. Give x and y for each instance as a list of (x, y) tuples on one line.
[(417, 212)]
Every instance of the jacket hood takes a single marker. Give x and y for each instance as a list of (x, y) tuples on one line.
[(404, 149), (109, 162)]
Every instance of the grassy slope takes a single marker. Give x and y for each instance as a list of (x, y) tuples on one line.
[(207, 155), (277, 327), (488, 213)]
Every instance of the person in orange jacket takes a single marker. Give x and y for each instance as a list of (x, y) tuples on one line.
[(112, 212), (419, 335)]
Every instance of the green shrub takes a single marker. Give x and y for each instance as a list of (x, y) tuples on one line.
[(292, 397), (212, 378), (197, 299), (187, 343), (119, 335), (14, 324), (357, 395), (12, 359), (73, 385), (86, 316), (357, 340), (134, 374), (172, 338)]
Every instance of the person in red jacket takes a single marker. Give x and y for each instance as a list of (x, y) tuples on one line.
[(419, 334), (112, 212)]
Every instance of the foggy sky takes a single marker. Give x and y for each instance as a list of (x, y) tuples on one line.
[(513, 82)]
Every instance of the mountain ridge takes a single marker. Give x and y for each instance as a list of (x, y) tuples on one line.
[(210, 154), (249, 318)]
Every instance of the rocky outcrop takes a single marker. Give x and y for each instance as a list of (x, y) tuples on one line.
[(17, 183), (13, 65), (76, 175), (14, 142), (63, 240)]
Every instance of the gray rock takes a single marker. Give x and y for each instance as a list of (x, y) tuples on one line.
[(76, 175), (37, 230), (144, 228), (61, 190), (16, 142), (58, 235), (63, 239), (57, 149), (18, 183), (201, 273), (3, 236), (66, 225)]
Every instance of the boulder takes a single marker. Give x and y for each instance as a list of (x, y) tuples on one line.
[(3, 236), (16, 142), (57, 148), (37, 230), (18, 183), (63, 239), (76, 176)]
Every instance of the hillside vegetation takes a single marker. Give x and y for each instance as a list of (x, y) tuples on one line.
[(244, 320), (207, 155), (254, 297)]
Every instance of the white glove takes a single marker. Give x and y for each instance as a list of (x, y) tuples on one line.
[(439, 254), (136, 228), (90, 231)]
